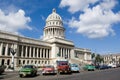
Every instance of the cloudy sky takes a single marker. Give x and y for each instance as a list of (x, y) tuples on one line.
[(92, 24)]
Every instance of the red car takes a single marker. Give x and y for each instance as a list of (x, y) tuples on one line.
[(48, 70), (63, 67)]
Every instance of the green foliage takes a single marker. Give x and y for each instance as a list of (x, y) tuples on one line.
[(98, 58), (93, 55)]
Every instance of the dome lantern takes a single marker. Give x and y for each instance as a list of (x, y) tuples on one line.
[(54, 10)]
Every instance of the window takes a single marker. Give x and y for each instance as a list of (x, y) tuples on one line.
[(19, 61), (23, 61), (8, 62), (2, 62)]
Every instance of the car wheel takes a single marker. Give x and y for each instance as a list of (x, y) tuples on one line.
[(21, 75)]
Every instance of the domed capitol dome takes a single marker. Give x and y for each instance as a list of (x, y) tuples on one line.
[(54, 16), (54, 26)]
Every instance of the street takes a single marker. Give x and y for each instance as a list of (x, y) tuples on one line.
[(108, 74)]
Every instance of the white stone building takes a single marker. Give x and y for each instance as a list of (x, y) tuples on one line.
[(54, 46), (111, 58)]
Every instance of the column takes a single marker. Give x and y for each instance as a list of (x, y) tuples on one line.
[(6, 50), (30, 52), (40, 52), (67, 53), (33, 52), (26, 51), (62, 51), (22, 51), (1, 49), (44, 53)]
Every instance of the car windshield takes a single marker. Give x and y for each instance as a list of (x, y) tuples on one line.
[(74, 65), (48, 66), (28, 66), (63, 63), (60, 63)]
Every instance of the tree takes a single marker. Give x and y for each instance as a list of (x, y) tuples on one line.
[(98, 59), (93, 55)]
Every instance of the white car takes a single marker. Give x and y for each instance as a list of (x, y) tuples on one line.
[(113, 65)]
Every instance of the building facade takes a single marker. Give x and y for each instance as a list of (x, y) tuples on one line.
[(111, 58), (53, 47)]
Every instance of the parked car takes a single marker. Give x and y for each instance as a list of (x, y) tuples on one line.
[(74, 68), (2, 69), (118, 65), (30, 70), (89, 67), (113, 65), (49, 69), (63, 67), (104, 67)]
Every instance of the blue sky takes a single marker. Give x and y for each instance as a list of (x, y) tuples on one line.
[(92, 24)]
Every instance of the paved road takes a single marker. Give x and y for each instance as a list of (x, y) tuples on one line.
[(109, 74)]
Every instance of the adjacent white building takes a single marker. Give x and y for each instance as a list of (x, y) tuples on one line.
[(53, 47), (111, 58)]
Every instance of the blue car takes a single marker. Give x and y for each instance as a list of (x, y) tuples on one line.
[(75, 68)]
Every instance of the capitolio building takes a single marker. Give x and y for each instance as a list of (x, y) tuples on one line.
[(52, 47)]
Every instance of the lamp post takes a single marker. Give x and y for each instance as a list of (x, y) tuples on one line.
[(13, 53)]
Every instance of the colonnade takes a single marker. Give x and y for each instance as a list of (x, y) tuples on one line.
[(64, 52), (33, 52), (26, 54), (56, 32)]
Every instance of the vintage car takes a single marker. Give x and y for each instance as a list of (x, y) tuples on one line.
[(74, 68), (63, 67), (30, 70), (89, 67), (49, 69)]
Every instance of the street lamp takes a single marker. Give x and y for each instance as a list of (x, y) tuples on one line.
[(13, 51)]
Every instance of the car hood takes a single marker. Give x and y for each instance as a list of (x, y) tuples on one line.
[(26, 69)]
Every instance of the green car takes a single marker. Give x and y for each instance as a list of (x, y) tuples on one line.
[(28, 70), (89, 67)]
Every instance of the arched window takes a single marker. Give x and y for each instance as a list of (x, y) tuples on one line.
[(23, 61), (19, 62)]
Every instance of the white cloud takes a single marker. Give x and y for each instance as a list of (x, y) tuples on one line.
[(96, 22), (76, 5), (108, 4), (14, 21)]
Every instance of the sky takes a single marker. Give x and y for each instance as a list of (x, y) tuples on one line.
[(91, 24)]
